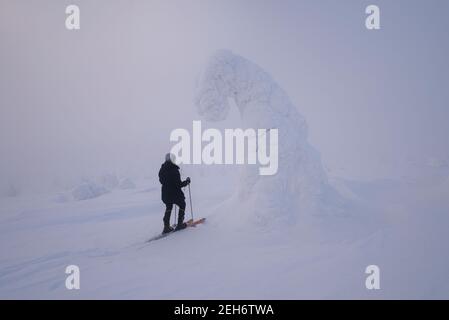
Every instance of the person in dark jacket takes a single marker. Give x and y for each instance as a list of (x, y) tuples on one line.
[(172, 194)]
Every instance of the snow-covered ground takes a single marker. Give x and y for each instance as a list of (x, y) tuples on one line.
[(400, 226)]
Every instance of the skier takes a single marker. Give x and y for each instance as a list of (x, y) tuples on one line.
[(171, 182)]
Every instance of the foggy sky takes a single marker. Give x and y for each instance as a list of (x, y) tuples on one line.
[(106, 97)]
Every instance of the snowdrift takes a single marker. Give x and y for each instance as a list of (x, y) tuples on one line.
[(88, 190), (126, 184)]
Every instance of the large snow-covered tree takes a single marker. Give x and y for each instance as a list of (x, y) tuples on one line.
[(300, 185)]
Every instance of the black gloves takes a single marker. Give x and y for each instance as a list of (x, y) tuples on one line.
[(188, 180)]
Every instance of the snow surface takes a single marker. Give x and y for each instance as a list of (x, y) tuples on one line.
[(300, 234), (401, 227)]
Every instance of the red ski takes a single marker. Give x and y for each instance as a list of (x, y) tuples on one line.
[(190, 223)]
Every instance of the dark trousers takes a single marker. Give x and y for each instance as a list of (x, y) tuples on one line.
[(168, 208)]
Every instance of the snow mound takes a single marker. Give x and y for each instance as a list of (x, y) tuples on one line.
[(127, 184), (8, 189), (88, 190), (109, 181), (437, 163), (300, 186)]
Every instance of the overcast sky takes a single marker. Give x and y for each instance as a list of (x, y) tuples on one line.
[(107, 96)]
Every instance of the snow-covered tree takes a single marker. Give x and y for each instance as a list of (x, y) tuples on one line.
[(300, 185)]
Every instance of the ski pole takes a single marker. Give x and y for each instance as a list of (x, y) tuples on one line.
[(175, 214), (190, 197)]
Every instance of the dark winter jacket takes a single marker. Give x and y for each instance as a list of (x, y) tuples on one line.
[(171, 182)]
